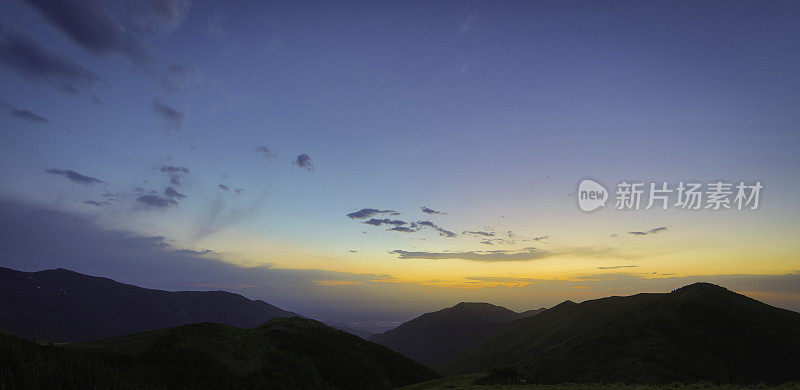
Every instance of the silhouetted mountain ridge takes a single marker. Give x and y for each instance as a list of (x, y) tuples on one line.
[(63, 305), (281, 353), (697, 332), (434, 337)]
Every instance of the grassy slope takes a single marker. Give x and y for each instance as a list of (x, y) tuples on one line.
[(699, 332), (282, 353), (467, 382), (434, 337)]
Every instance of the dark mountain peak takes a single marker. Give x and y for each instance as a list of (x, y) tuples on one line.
[(63, 274), (476, 306), (60, 271), (716, 334), (467, 304), (64, 305), (564, 304), (472, 311), (701, 287), (433, 337), (707, 292)]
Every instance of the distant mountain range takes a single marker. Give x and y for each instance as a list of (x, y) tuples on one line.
[(698, 332), (191, 339), (294, 353), (435, 337), (65, 306)]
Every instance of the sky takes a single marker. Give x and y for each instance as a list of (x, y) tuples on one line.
[(371, 161)]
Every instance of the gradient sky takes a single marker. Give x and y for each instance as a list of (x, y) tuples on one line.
[(489, 112)]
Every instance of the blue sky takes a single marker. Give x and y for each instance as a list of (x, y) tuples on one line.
[(490, 112)]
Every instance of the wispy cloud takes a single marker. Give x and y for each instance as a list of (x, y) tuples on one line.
[(651, 231), (97, 203), (618, 266), (266, 152), (90, 25), (171, 119), (190, 252), (144, 241), (75, 176), (24, 114), (525, 254), (503, 279), (157, 201), (304, 162), (478, 233), (220, 214), (171, 193), (149, 17), (427, 210), (29, 59), (175, 173), (440, 230), (404, 229), (366, 213), (385, 221), (174, 169), (594, 252)]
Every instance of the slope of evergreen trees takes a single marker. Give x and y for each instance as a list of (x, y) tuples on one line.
[(282, 353)]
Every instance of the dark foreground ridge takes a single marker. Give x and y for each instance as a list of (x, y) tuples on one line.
[(695, 333), (434, 337), (65, 306), (282, 353)]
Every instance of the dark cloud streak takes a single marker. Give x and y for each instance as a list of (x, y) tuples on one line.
[(75, 176), (478, 233), (651, 231), (33, 62), (403, 229), (174, 169), (366, 213), (24, 114), (525, 254), (171, 119), (190, 252), (96, 203), (89, 24), (303, 161), (385, 221), (172, 193), (157, 201), (263, 150), (426, 210), (440, 230)]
